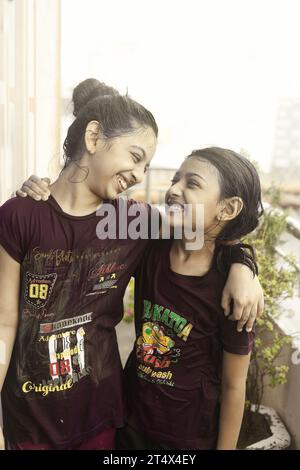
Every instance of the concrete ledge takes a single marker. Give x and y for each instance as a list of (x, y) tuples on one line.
[(280, 438)]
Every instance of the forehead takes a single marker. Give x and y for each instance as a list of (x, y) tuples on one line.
[(143, 137), (199, 167)]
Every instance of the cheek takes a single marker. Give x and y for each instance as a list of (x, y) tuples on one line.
[(105, 166), (210, 213)]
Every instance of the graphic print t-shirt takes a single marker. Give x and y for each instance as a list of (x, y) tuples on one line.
[(65, 375), (173, 375)]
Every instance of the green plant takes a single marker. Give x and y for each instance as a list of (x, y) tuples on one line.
[(278, 281), (129, 302)]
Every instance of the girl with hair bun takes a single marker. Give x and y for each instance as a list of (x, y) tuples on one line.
[(62, 286)]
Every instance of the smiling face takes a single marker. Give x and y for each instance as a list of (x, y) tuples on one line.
[(118, 164), (196, 182)]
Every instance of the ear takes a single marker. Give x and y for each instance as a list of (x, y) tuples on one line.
[(92, 131), (231, 209)]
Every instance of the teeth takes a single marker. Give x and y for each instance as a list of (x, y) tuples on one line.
[(122, 183), (175, 208)]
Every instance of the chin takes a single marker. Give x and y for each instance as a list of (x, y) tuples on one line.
[(110, 193), (175, 221)]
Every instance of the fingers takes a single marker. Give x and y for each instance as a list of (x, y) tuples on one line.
[(237, 312), (244, 315), (36, 188), (240, 314), (252, 318), (226, 303), (260, 306), (20, 193), (244, 318), (31, 193), (40, 185)]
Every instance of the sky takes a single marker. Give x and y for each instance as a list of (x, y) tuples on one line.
[(211, 71)]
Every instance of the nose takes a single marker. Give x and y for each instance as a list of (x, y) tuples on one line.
[(176, 190), (137, 175)]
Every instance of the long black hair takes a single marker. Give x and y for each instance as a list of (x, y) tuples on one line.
[(237, 178)]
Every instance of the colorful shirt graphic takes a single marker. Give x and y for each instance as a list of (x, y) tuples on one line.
[(173, 375)]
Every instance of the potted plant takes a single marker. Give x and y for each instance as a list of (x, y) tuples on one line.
[(262, 427)]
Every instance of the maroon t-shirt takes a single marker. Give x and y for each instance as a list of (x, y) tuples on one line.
[(64, 382), (173, 375)]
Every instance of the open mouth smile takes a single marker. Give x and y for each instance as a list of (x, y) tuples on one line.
[(123, 184)]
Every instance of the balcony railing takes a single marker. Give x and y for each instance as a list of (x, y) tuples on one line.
[(291, 243)]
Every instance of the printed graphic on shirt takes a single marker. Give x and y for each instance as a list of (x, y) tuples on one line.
[(70, 358), (39, 288), (177, 323), (155, 347), (54, 349), (104, 276), (42, 314), (65, 323), (57, 257), (66, 356)]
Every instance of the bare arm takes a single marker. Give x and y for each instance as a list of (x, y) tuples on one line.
[(235, 368), (9, 307)]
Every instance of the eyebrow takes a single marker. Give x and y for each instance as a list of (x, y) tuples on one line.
[(196, 174), (178, 174), (139, 148)]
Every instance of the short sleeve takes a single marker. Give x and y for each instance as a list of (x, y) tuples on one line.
[(13, 229), (233, 341)]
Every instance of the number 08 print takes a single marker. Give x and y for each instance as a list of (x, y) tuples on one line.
[(39, 288)]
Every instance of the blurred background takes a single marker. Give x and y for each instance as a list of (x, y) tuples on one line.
[(213, 72)]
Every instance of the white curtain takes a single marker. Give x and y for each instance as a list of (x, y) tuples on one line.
[(30, 103)]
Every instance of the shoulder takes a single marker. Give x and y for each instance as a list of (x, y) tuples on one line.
[(22, 213), (19, 205), (18, 208), (16, 227)]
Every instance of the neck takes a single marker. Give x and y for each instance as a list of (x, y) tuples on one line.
[(191, 262), (205, 252), (72, 192)]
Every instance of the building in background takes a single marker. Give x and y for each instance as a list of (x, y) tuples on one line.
[(285, 168), (286, 155)]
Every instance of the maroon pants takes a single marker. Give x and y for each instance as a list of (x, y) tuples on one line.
[(103, 441)]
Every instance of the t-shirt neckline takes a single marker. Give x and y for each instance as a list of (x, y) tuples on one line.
[(53, 202), (188, 279)]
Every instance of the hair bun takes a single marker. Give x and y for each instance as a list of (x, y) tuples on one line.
[(87, 90)]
